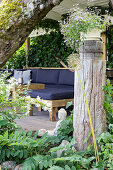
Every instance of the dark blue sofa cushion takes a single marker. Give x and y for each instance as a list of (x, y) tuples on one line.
[(34, 74), (48, 76), (53, 92), (66, 77)]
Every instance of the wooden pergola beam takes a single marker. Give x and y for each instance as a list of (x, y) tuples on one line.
[(104, 56), (27, 50)]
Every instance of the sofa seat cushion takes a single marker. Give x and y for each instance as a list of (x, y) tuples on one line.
[(53, 92)]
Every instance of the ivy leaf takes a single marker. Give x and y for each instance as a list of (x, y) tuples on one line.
[(45, 163), (56, 168), (21, 154), (69, 104), (1, 138), (29, 133), (50, 163), (6, 135), (41, 165), (67, 167), (8, 153), (36, 134), (73, 168), (3, 122)]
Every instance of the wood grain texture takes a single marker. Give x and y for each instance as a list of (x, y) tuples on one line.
[(54, 104), (104, 39), (71, 69), (52, 114), (30, 86), (92, 74), (18, 29)]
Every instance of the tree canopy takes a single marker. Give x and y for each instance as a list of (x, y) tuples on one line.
[(17, 19)]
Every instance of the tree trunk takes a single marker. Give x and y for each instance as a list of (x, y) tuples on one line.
[(13, 37), (93, 76), (111, 3)]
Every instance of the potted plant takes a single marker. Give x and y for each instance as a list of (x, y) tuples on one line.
[(80, 25)]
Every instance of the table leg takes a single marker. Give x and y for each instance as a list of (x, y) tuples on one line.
[(52, 114), (31, 111), (39, 109)]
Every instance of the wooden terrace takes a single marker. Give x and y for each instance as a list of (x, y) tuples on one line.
[(39, 120)]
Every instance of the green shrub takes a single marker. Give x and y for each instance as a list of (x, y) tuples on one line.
[(35, 153), (18, 60), (45, 48), (21, 145), (66, 129), (108, 91), (109, 46)]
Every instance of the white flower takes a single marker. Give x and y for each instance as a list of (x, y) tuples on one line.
[(48, 104), (45, 108), (28, 97), (38, 105), (38, 98)]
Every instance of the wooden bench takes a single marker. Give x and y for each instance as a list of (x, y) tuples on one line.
[(60, 78), (54, 104)]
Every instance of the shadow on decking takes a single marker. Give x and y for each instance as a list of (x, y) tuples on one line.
[(39, 120)]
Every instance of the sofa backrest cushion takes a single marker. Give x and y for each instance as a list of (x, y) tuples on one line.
[(66, 77), (48, 76), (34, 74), (17, 74), (25, 75)]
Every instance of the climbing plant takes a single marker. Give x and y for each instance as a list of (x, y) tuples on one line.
[(18, 59)]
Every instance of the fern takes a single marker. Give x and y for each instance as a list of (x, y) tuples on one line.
[(56, 168), (38, 161)]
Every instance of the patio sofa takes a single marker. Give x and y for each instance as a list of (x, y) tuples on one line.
[(59, 87)]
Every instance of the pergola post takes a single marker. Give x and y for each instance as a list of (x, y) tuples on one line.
[(27, 50), (93, 76), (104, 45)]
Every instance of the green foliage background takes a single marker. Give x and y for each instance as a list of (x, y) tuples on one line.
[(43, 49), (110, 47), (18, 59)]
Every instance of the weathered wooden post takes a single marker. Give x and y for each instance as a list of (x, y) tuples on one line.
[(27, 50), (93, 76)]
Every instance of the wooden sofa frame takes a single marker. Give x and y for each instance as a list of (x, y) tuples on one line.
[(54, 104)]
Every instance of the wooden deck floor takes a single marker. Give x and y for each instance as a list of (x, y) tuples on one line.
[(39, 120)]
